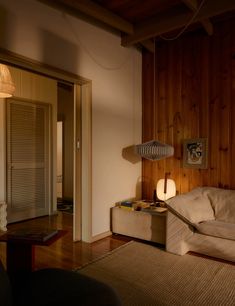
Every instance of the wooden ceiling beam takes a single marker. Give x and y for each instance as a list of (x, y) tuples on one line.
[(208, 26), (148, 44), (168, 22), (95, 11), (191, 4), (206, 23)]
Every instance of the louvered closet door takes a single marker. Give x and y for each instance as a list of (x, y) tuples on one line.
[(27, 158)]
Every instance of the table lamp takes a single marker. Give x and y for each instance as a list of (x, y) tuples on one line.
[(166, 188)]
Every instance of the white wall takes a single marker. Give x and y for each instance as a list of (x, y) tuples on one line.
[(36, 31)]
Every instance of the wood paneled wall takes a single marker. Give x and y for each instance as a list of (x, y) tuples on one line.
[(194, 97)]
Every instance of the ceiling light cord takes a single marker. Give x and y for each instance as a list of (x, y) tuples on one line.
[(154, 89), (187, 24), (85, 49)]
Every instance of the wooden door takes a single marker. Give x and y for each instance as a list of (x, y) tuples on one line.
[(27, 160)]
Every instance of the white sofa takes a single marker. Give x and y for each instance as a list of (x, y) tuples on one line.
[(202, 221)]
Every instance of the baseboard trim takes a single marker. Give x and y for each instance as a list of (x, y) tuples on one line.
[(54, 212), (101, 236)]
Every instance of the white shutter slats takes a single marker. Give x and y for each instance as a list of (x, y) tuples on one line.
[(28, 128), (28, 186), (27, 133)]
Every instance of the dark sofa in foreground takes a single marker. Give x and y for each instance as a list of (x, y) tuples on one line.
[(54, 287)]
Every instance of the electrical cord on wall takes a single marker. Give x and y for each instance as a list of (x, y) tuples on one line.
[(187, 24), (87, 51)]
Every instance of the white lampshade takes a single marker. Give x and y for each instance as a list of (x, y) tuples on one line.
[(166, 189), (7, 87), (154, 150)]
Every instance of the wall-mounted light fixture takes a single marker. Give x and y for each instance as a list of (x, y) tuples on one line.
[(7, 86)]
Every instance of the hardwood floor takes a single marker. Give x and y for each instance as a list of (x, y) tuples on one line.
[(65, 253)]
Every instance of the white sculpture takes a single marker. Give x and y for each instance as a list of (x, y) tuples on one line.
[(3, 216)]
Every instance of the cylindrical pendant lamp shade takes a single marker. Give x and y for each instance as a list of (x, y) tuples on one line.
[(154, 150), (7, 87)]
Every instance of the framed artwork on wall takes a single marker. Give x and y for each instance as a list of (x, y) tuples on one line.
[(195, 153)]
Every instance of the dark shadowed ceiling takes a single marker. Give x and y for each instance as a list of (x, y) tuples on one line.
[(139, 21), (136, 11)]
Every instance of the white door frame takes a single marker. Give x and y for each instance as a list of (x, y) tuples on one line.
[(82, 163)]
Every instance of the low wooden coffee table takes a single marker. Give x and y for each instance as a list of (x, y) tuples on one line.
[(21, 253)]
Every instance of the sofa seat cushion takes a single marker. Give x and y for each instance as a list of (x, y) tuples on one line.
[(223, 203), (217, 229), (192, 207)]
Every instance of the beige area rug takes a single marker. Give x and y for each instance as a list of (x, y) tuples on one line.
[(145, 275)]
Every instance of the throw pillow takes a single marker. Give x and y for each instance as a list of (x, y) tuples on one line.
[(192, 206), (223, 203)]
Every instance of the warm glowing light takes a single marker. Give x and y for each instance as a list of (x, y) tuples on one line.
[(166, 189), (7, 86)]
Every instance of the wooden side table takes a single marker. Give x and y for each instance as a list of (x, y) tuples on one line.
[(146, 225), (21, 253)]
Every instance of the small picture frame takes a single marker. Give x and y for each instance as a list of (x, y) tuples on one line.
[(195, 153)]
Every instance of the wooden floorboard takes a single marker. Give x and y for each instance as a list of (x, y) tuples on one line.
[(65, 253)]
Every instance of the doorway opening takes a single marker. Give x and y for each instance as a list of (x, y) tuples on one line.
[(82, 98), (59, 169), (63, 205), (65, 147)]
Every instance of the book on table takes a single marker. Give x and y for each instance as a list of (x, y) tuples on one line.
[(155, 209), (32, 234), (128, 205), (133, 205)]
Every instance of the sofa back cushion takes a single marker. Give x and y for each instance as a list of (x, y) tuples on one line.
[(193, 207), (223, 203)]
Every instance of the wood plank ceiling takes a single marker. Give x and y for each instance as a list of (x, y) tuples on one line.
[(139, 22)]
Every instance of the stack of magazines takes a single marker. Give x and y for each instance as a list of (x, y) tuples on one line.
[(133, 205)]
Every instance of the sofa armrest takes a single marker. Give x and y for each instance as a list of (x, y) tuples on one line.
[(177, 234)]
